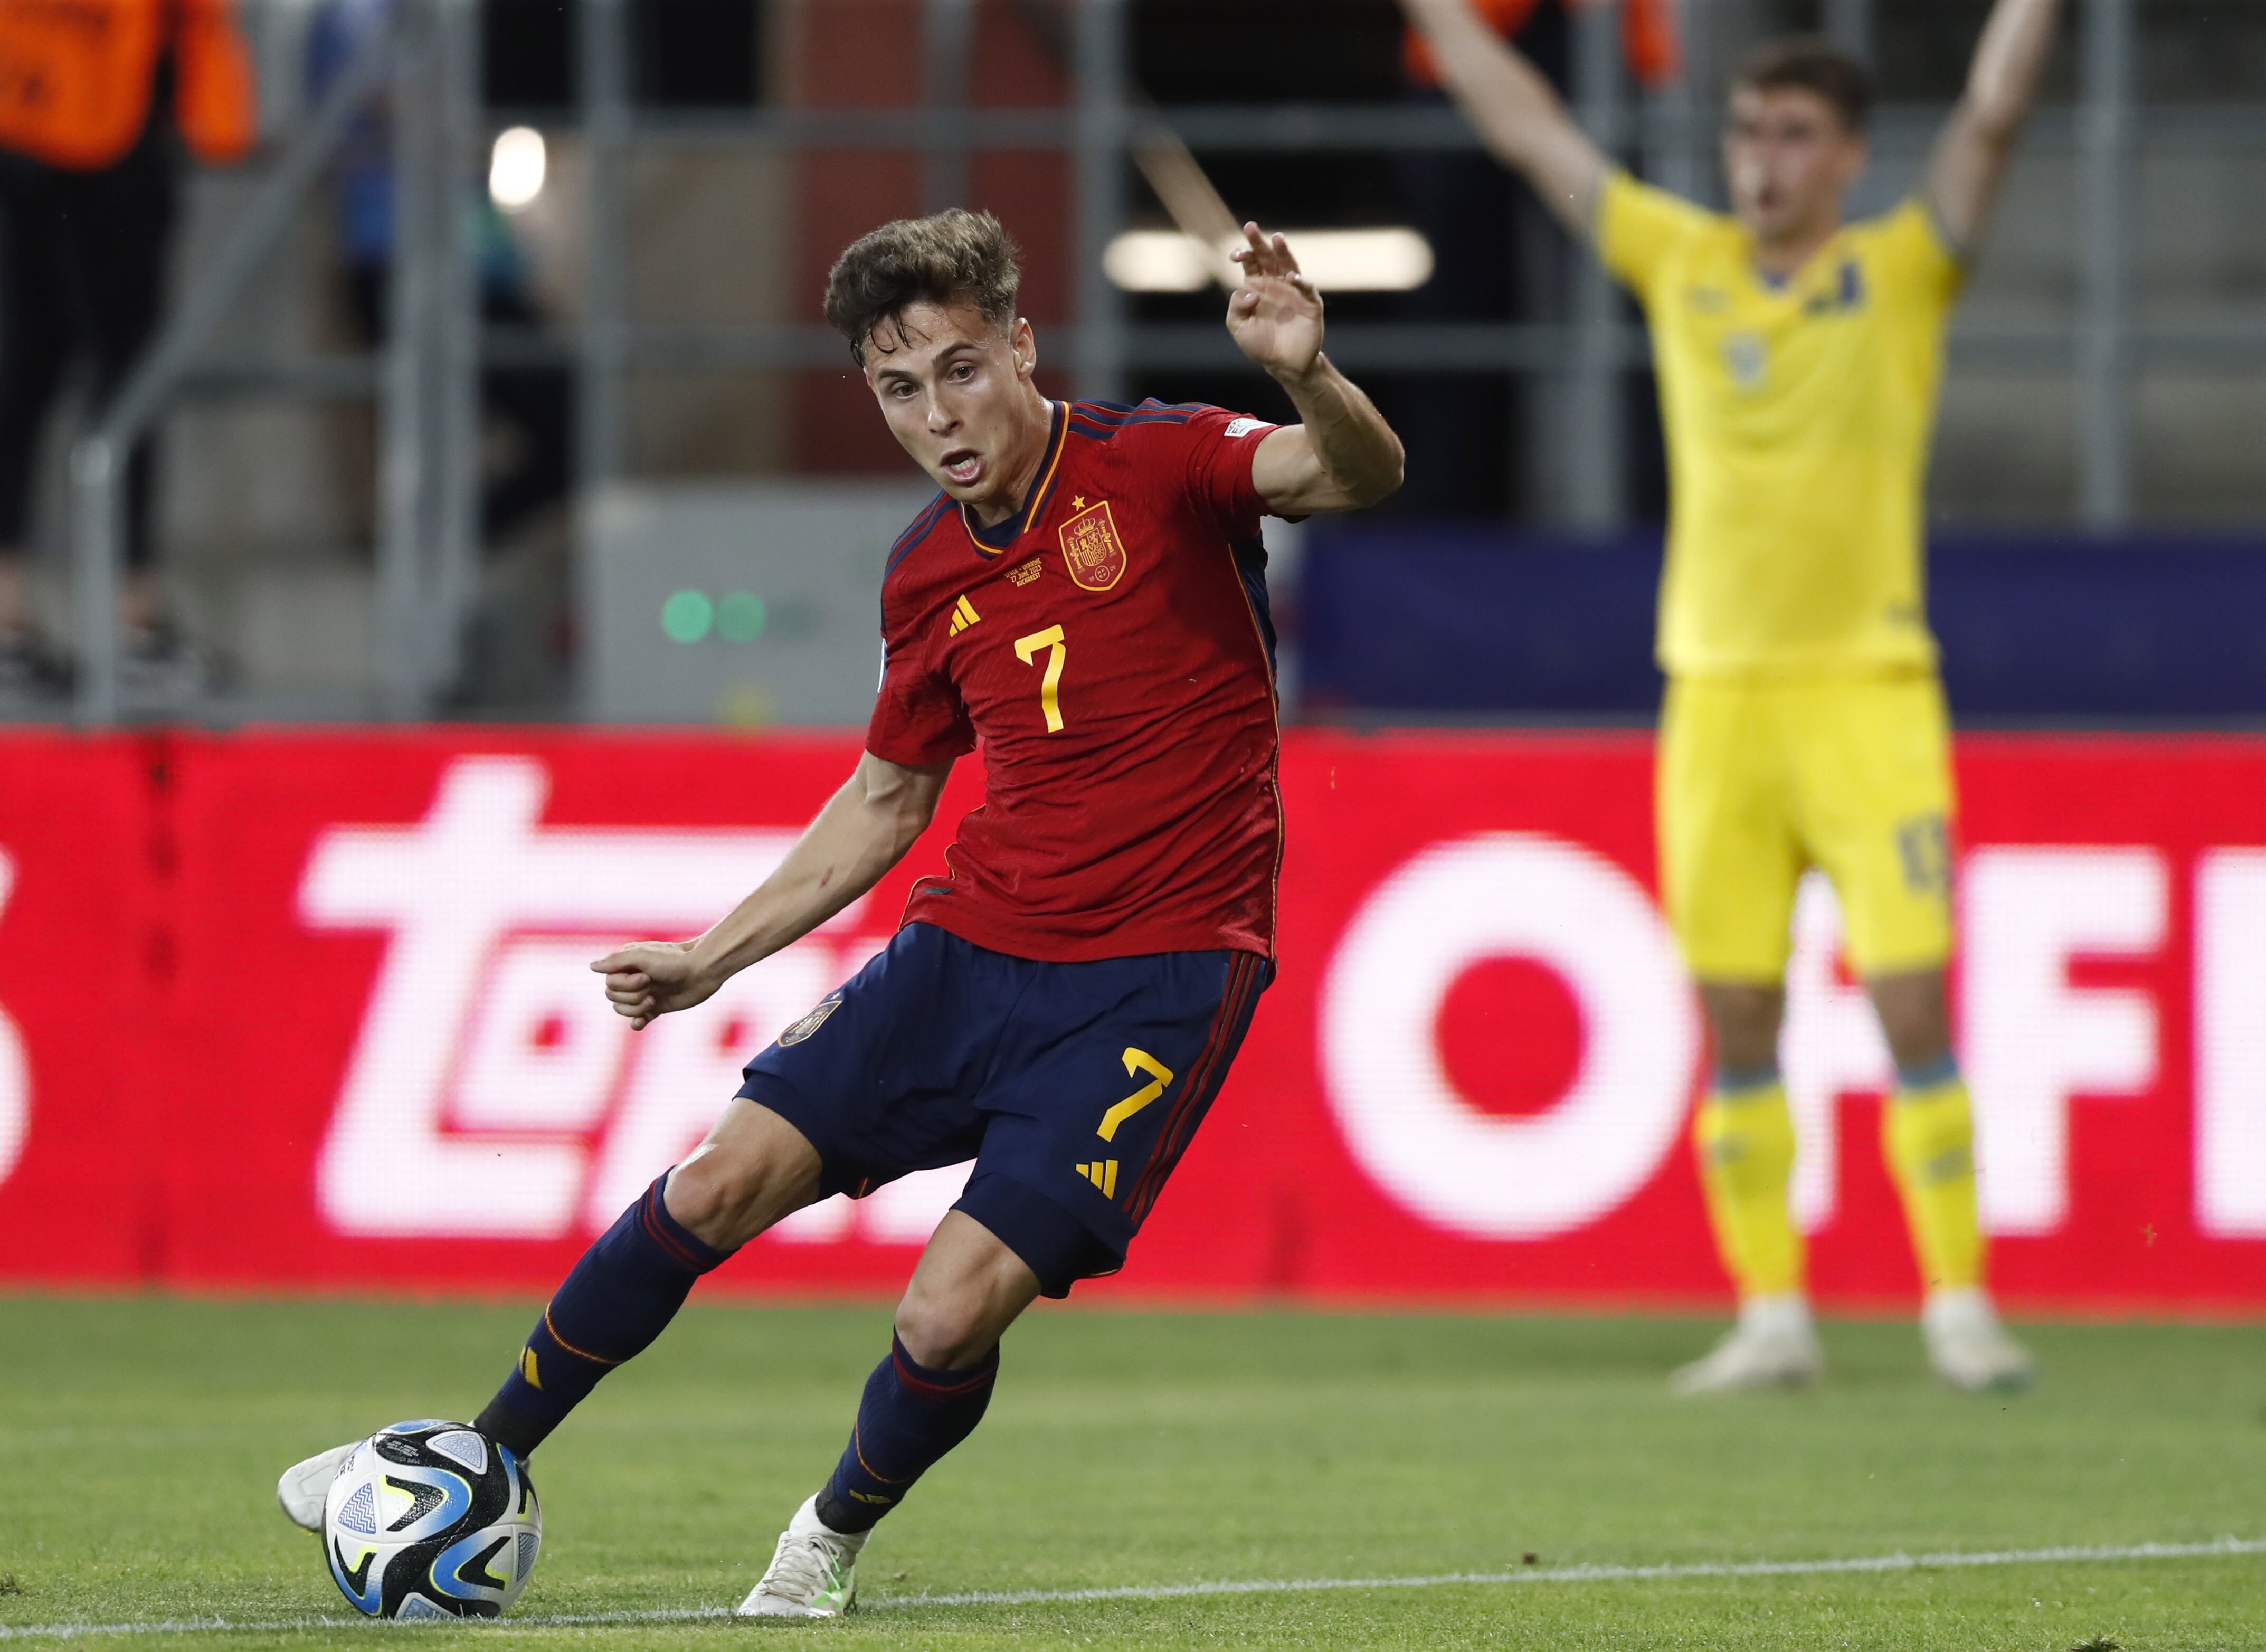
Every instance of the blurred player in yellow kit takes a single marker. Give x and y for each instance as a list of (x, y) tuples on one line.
[(1798, 358)]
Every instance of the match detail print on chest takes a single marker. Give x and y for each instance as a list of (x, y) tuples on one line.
[(1082, 543)]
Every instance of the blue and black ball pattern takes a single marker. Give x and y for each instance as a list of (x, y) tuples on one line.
[(432, 1519)]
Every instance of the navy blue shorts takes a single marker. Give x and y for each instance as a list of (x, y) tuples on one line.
[(1075, 1087)]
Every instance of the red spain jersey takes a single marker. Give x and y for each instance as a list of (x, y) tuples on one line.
[(1109, 646)]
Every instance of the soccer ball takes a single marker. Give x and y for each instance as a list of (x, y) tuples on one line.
[(431, 1520)]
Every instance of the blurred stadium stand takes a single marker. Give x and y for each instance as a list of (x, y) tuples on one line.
[(704, 159)]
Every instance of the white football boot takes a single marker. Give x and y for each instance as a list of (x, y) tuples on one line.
[(813, 1571), (1772, 1346), (1967, 1345), (301, 1492)]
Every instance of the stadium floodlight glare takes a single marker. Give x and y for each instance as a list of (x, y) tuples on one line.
[(517, 165), (1381, 261)]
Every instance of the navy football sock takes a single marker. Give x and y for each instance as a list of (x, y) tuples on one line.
[(624, 1292), (910, 1418)]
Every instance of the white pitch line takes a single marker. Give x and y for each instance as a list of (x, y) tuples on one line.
[(1899, 1562), (1593, 1573)]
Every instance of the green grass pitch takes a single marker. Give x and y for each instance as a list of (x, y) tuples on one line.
[(139, 1439)]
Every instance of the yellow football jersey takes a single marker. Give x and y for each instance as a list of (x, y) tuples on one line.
[(1798, 418)]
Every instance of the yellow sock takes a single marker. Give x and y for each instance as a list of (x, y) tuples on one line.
[(1927, 1135), (1745, 1140)]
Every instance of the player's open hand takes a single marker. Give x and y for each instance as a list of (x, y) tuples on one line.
[(1275, 315), (648, 978)]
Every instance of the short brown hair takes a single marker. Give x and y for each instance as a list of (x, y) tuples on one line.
[(956, 257), (1812, 65)]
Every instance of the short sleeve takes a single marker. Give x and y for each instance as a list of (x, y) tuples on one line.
[(1220, 446), (918, 718), (1916, 261), (1639, 229)]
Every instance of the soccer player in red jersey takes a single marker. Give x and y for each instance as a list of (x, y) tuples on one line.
[(1086, 597)]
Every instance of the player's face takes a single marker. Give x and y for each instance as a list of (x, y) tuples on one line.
[(1790, 160), (956, 390)]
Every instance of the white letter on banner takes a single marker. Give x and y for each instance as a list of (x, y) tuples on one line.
[(545, 1049), (906, 1211), (15, 1073), (1831, 1045), (1492, 895), (2230, 1039), (2033, 1040), (688, 1067), (452, 889)]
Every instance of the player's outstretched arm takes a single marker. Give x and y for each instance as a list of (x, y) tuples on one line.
[(1341, 455), (1516, 111), (864, 829), (1971, 157)]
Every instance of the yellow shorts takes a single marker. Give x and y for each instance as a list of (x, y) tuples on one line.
[(1760, 780)]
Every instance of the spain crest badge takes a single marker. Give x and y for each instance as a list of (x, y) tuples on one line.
[(1090, 548)]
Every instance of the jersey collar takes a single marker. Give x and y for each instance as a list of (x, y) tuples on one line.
[(1828, 254), (998, 538)]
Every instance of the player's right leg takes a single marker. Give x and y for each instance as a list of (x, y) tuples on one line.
[(1744, 1137), (815, 1118), (753, 1169), (1729, 865)]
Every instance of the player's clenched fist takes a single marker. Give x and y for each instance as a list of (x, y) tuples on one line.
[(648, 978), (1275, 315)]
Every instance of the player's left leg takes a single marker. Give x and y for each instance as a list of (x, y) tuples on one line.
[(1927, 1138), (1927, 1130), (1878, 802), (1099, 1080), (925, 1396)]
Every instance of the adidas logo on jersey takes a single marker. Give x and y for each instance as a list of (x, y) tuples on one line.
[(1103, 1172), (964, 616)]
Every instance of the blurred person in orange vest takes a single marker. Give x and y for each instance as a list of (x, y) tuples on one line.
[(1499, 257), (98, 97), (1647, 37)]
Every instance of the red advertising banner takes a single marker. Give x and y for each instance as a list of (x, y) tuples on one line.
[(326, 1022), (82, 866)]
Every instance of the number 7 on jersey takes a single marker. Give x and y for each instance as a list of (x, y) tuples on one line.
[(1026, 650)]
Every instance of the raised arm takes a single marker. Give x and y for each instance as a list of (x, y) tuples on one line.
[(1516, 111), (865, 828), (1970, 157), (1341, 455)]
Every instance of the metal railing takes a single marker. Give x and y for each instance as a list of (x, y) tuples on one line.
[(1669, 134), (428, 541), (99, 459), (427, 379), (425, 53)]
